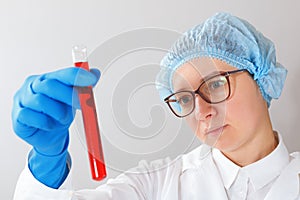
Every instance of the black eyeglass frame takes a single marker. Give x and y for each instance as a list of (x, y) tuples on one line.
[(193, 93)]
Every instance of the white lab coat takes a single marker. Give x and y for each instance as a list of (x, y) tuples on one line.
[(185, 178)]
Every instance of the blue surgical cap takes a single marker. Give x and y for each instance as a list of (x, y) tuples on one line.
[(232, 40)]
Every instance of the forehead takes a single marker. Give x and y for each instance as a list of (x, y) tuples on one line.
[(190, 74)]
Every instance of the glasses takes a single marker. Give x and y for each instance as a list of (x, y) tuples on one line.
[(213, 89)]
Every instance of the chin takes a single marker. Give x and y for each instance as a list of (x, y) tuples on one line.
[(225, 146), (225, 143)]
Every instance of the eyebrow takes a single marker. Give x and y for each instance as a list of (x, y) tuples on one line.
[(213, 73)]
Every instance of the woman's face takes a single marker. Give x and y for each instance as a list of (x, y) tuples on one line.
[(228, 125)]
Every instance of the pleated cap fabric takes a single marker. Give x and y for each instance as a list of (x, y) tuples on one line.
[(230, 39)]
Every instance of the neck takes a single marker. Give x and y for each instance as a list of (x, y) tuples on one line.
[(254, 150)]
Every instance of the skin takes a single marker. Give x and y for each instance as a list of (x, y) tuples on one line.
[(239, 127)]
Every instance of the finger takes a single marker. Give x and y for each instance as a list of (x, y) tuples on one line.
[(56, 90), (73, 76), (21, 130), (51, 143), (96, 72), (35, 120), (44, 141), (60, 112), (23, 117)]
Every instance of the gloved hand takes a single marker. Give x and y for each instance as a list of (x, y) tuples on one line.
[(43, 109)]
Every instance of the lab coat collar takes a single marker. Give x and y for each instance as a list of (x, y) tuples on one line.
[(195, 158), (200, 162), (287, 185), (270, 166), (200, 176), (228, 170)]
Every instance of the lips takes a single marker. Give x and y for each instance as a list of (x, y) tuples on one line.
[(215, 131)]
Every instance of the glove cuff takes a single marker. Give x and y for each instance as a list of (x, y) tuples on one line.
[(49, 170)]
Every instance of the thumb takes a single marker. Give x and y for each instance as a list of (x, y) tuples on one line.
[(73, 76), (97, 74)]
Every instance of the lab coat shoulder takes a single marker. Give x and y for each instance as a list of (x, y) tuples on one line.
[(287, 185), (189, 176), (159, 179), (28, 188)]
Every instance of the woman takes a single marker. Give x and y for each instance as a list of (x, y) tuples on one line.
[(221, 77)]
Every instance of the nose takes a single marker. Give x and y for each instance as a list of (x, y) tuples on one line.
[(203, 110)]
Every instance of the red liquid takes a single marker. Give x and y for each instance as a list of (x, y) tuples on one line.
[(92, 132)]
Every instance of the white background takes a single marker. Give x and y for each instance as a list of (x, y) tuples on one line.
[(36, 37)]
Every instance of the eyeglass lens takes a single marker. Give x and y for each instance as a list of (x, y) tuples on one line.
[(212, 90)]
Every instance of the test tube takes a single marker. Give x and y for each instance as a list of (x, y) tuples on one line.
[(89, 115)]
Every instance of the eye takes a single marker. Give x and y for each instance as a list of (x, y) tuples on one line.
[(216, 83), (185, 100)]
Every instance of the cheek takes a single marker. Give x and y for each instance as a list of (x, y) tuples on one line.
[(192, 122), (238, 130), (246, 110), (195, 126)]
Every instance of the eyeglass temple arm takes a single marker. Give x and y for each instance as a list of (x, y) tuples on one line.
[(170, 100)]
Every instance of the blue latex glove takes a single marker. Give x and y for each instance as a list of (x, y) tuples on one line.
[(43, 110)]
